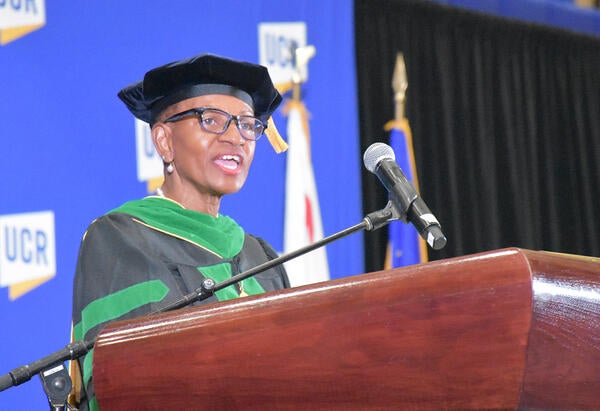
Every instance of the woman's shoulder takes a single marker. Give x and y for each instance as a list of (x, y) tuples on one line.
[(125, 214), (111, 223)]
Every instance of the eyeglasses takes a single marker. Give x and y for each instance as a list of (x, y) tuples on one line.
[(217, 121)]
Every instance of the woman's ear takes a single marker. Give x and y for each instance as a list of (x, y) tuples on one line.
[(161, 137)]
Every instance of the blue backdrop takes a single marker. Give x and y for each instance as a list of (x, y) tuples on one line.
[(70, 143)]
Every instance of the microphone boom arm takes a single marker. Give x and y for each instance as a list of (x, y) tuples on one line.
[(76, 349)]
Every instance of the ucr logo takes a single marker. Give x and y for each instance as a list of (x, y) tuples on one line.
[(277, 42), (27, 251), (20, 17)]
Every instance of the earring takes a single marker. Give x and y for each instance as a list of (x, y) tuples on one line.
[(170, 168)]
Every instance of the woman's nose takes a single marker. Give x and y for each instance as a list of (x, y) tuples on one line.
[(232, 134)]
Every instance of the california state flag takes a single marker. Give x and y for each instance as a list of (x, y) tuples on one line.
[(303, 224)]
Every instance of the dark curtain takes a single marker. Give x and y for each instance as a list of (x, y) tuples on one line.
[(505, 118)]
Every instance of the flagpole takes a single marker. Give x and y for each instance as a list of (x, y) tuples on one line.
[(303, 224), (400, 133)]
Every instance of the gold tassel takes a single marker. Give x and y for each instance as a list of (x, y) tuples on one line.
[(279, 145)]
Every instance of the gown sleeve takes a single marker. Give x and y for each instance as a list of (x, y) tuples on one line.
[(117, 277)]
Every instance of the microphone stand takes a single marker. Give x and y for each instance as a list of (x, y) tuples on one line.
[(55, 378)]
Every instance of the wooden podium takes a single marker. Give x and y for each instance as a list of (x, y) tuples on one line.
[(509, 329)]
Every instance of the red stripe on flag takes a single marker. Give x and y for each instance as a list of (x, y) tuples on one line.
[(309, 219)]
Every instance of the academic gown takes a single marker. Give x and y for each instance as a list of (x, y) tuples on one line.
[(149, 253)]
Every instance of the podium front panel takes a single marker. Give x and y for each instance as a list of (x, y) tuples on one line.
[(449, 334)]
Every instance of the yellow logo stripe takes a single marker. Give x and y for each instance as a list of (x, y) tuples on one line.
[(154, 183), (18, 289), (13, 33)]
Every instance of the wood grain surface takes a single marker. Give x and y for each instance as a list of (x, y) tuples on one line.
[(508, 329)]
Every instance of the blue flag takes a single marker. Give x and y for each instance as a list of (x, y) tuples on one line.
[(405, 245)]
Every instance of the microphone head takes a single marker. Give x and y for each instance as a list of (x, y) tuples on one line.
[(375, 154)]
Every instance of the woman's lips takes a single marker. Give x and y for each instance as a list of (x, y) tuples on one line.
[(229, 163)]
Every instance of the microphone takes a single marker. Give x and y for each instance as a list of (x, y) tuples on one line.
[(380, 160)]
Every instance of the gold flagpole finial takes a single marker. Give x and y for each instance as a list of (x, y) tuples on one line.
[(399, 84), (300, 58)]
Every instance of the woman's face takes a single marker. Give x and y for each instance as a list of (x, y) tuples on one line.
[(214, 164)]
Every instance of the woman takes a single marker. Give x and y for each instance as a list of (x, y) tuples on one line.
[(206, 114)]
